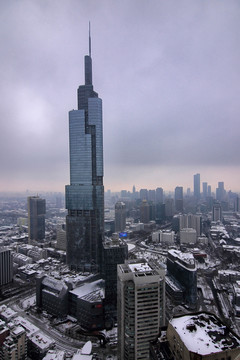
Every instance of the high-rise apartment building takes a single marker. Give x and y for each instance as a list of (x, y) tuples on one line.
[(141, 307), (36, 218), (191, 221), (120, 216), (15, 345), (6, 266), (196, 186), (85, 194)]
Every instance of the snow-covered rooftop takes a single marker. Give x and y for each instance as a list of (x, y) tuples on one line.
[(27, 325), (88, 288), (6, 312), (42, 341), (204, 333), (139, 267), (54, 355), (186, 259)]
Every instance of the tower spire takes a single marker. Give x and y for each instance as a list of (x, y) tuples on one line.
[(88, 61), (89, 38)]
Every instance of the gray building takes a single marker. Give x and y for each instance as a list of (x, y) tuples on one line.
[(85, 194), (196, 186), (6, 266), (217, 212), (36, 218), (120, 216), (141, 307), (52, 295), (179, 199), (114, 252), (181, 267)]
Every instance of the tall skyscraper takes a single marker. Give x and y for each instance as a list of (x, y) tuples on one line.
[(196, 186), (85, 194), (36, 218), (179, 199), (220, 191), (204, 189), (209, 190), (159, 195), (120, 216), (141, 307)]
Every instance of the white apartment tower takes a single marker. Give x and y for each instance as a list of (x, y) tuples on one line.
[(141, 307)]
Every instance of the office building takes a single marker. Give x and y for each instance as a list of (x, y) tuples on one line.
[(141, 307), (85, 194), (143, 194), (204, 190), (61, 239), (159, 195), (120, 216), (179, 199), (181, 266), (115, 251), (201, 336), (6, 266), (196, 186), (217, 212), (52, 295), (152, 196), (36, 219), (144, 212), (220, 192), (169, 207)]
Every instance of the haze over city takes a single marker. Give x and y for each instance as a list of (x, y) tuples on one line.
[(169, 76)]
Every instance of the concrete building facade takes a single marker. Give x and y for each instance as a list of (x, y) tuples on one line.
[(141, 308)]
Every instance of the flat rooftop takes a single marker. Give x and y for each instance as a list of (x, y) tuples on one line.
[(204, 333)]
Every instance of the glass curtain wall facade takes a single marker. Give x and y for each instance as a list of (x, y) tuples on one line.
[(36, 218), (85, 194)]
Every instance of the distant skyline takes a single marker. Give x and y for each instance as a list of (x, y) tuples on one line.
[(168, 74)]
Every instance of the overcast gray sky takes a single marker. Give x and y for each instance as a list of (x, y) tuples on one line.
[(168, 73)]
